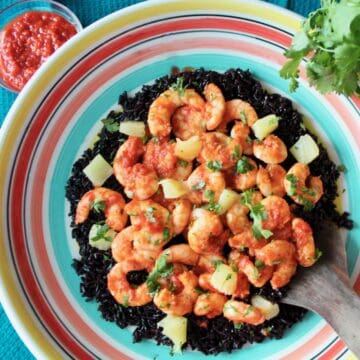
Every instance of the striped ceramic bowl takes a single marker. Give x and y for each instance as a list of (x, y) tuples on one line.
[(55, 118)]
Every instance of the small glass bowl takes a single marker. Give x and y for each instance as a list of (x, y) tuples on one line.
[(11, 12)]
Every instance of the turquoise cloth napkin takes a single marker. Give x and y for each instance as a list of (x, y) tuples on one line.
[(89, 11)]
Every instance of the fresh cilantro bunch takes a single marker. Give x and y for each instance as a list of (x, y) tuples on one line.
[(331, 35)]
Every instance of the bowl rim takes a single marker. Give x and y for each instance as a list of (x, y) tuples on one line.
[(17, 322)]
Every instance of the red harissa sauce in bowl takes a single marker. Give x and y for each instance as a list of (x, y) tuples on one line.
[(27, 41)]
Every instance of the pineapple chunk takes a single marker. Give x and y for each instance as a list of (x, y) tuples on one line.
[(269, 309), (188, 149), (98, 170), (100, 236), (175, 328), (173, 188), (224, 279), (305, 150), (227, 199), (132, 128), (265, 126)]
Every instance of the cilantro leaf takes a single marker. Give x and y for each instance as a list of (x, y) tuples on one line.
[(243, 166), (179, 86), (111, 125), (101, 231), (330, 37), (212, 205), (214, 165), (200, 185), (161, 269), (98, 205)]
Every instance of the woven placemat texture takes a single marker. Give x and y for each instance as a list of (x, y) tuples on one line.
[(88, 11)]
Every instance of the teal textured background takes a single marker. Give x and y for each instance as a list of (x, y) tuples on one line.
[(89, 11)]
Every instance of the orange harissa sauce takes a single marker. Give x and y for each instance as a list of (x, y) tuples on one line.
[(27, 41)]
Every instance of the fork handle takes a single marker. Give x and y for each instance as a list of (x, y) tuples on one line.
[(343, 314)]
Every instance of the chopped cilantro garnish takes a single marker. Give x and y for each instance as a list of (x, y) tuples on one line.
[(293, 183), (341, 168), (161, 269), (179, 86), (307, 204), (101, 231), (150, 214), (238, 326), (318, 254), (183, 163), (111, 125), (214, 165), (236, 154), (248, 310), (98, 205), (200, 291), (125, 302), (308, 191), (257, 213), (243, 117), (166, 234), (212, 205), (145, 139), (243, 166), (200, 185)]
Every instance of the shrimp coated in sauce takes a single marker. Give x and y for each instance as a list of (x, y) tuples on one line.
[(210, 305), (270, 180), (203, 182), (240, 312), (271, 150), (139, 180), (160, 155), (237, 109), (187, 122), (214, 107), (113, 201), (219, 148), (237, 218), (179, 303), (301, 186), (305, 246), (277, 212), (119, 287), (206, 232), (163, 107)]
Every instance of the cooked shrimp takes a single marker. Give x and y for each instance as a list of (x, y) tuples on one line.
[(214, 107), (163, 107), (284, 233), (114, 203), (301, 186), (160, 155), (205, 282), (243, 177), (148, 215), (281, 254), (123, 248), (304, 240), (277, 212), (187, 122), (240, 133), (283, 273), (179, 303), (123, 292), (270, 180), (180, 215), (258, 274), (242, 290), (203, 182), (181, 253), (247, 240), (219, 148), (207, 263), (240, 312), (210, 305), (271, 150), (237, 218), (139, 180), (206, 232), (237, 109)]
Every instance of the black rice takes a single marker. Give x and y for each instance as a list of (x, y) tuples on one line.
[(218, 334)]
